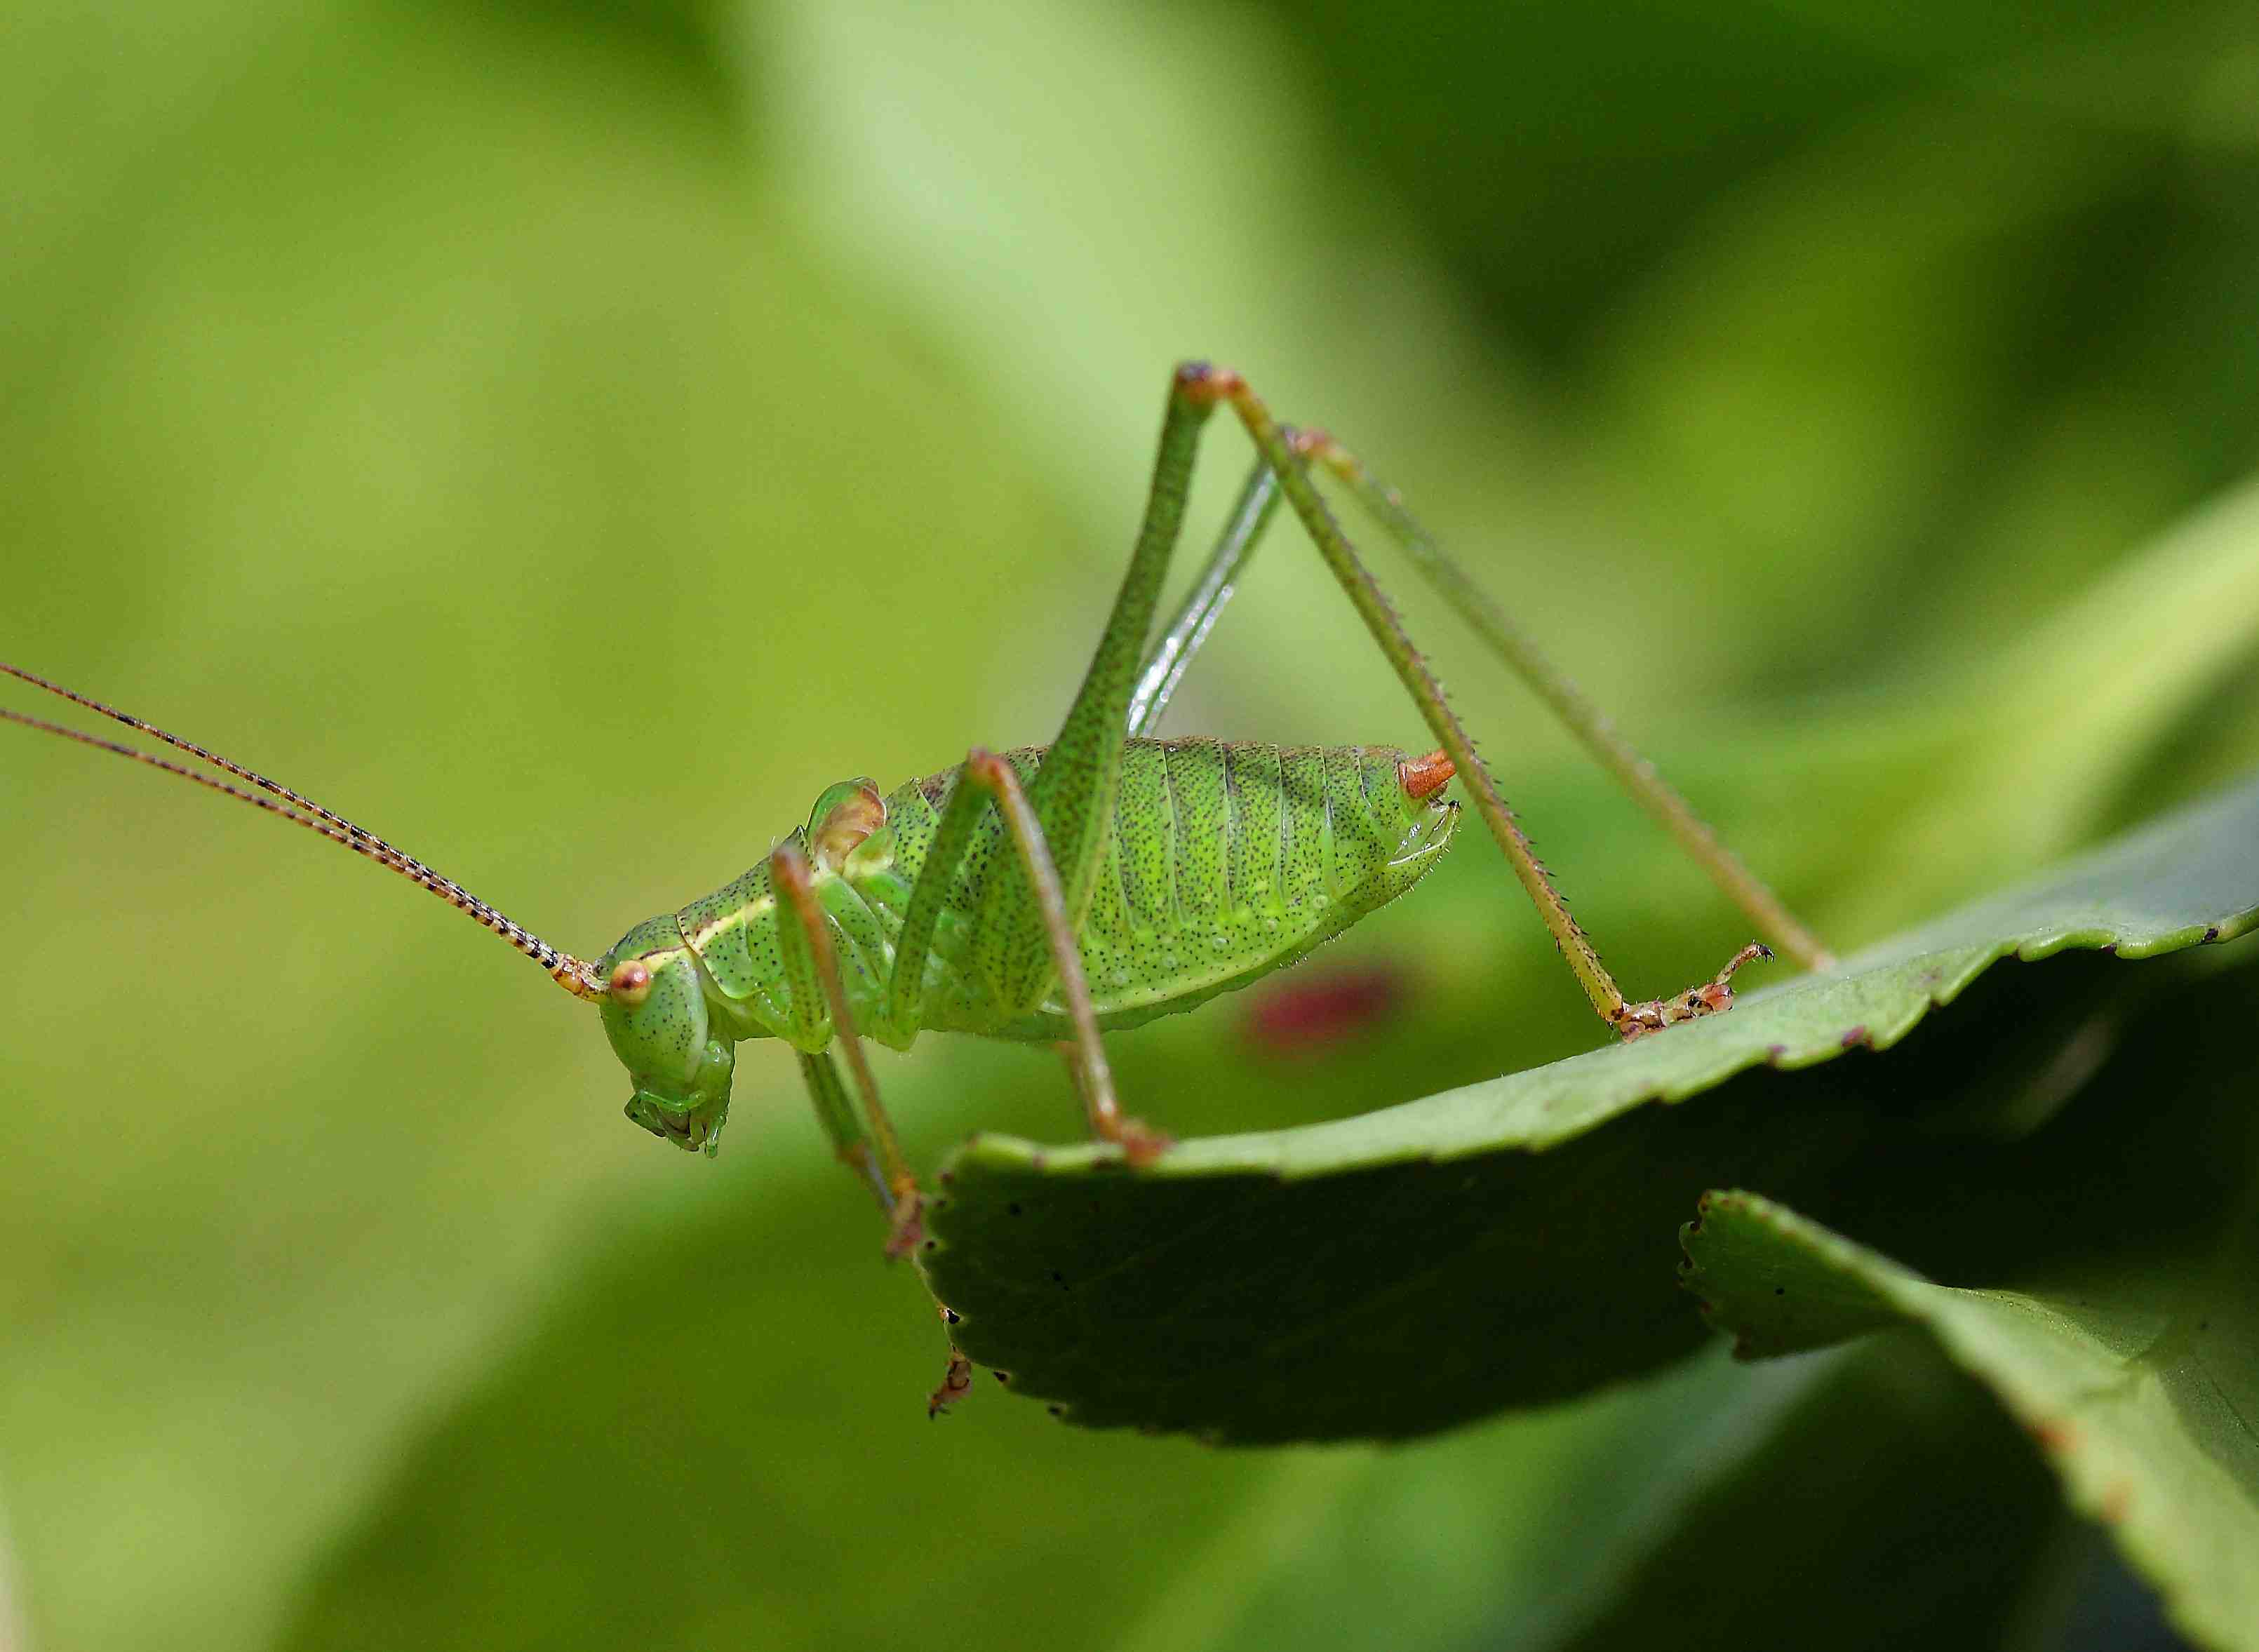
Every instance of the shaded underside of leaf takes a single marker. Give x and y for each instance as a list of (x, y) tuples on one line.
[(2103, 1286), (1394, 1274), (1892, 1504)]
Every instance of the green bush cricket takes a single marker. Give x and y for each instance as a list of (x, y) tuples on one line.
[(1051, 893)]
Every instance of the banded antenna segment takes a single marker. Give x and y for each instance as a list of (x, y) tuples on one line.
[(575, 975)]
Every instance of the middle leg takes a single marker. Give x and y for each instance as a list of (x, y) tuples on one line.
[(1094, 1078), (986, 781)]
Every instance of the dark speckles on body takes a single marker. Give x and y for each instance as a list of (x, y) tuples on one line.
[(1221, 862)]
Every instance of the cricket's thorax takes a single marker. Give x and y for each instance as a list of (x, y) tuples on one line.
[(1222, 862)]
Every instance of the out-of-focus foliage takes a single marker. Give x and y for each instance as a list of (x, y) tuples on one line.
[(567, 437)]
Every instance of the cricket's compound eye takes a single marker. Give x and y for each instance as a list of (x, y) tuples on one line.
[(630, 982)]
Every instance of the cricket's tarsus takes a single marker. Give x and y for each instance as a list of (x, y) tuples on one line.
[(956, 1382), (1050, 893), (1711, 998)]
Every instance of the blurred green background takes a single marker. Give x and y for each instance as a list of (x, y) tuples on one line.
[(565, 437)]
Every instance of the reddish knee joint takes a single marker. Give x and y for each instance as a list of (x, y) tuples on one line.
[(991, 771), (789, 866), (1205, 385)]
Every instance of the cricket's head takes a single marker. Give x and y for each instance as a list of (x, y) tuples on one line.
[(655, 1015)]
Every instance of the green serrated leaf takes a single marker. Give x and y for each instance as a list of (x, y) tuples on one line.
[(1394, 1274), (2128, 1346)]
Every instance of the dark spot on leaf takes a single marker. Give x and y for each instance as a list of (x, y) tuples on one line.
[(1056, 1411), (1775, 1052), (1780, 1290), (1036, 1161), (1002, 1376), (1012, 1209), (2213, 933), (1856, 1037), (1058, 1277)]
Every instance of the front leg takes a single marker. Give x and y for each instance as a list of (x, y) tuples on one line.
[(812, 972)]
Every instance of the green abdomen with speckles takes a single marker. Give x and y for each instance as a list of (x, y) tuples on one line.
[(1222, 862)]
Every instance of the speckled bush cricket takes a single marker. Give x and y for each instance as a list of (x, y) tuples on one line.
[(1053, 893)]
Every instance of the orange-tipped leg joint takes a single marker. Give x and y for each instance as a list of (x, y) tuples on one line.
[(1140, 1143), (1423, 777)]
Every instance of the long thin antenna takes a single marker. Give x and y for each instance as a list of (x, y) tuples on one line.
[(575, 975)]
